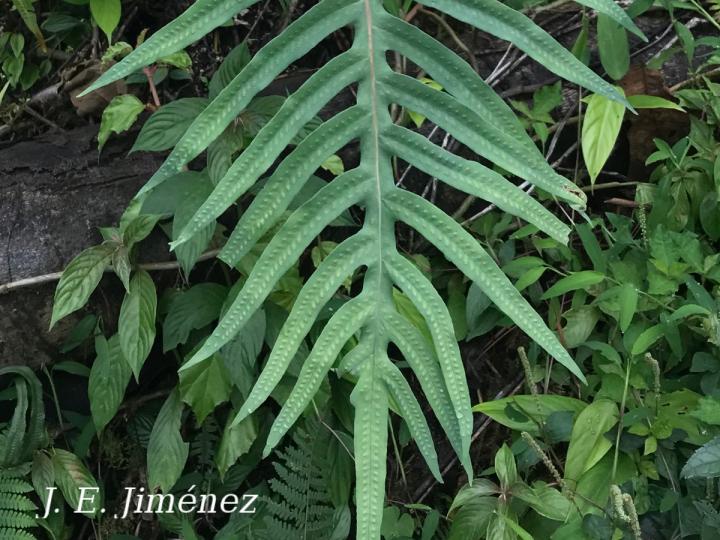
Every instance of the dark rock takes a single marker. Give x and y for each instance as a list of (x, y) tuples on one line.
[(55, 192)]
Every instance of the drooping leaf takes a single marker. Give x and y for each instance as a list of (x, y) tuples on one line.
[(613, 47), (136, 326), (628, 296), (106, 14), (167, 452), (109, 376)]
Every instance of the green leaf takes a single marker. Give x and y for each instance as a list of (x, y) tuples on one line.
[(504, 22), (136, 326), (647, 339), (689, 310), (705, 462), (614, 12), (168, 124), (233, 64), (708, 411), (167, 452), (188, 253), (204, 386), (180, 60), (17, 44), (192, 309), (120, 114), (122, 266), (530, 277), (75, 481), (471, 521), (545, 500), (371, 412), (533, 410), (106, 14), (43, 475), (515, 526), (601, 127), (573, 282), (652, 102), (606, 350), (77, 336), (396, 525), (628, 296), (119, 49), (505, 467), (138, 228), (79, 280), (587, 442), (613, 47), (236, 441), (109, 376)]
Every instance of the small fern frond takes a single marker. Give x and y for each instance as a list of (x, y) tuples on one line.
[(469, 110), (300, 504)]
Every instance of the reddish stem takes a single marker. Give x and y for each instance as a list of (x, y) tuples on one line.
[(149, 72)]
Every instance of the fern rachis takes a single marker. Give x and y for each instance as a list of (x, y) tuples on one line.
[(469, 110)]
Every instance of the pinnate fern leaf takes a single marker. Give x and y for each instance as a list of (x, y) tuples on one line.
[(469, 110), (16, 508), (300, 504)]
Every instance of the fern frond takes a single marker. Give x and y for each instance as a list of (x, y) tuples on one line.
[(16, 508), (470, 111), (26, 430)]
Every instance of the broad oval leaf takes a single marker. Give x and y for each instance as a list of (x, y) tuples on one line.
[(601, 126), (75, 481), (79, 280), (168, 124)]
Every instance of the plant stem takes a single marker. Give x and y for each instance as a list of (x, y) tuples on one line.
[(620, 422)]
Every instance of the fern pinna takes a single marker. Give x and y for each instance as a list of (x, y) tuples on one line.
[(469, 110)]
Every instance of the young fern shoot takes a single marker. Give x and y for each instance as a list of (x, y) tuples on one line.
[(469, 110)]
